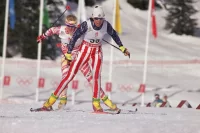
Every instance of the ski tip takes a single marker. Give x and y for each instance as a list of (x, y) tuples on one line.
[(31, 109), (118, 111), (97, 112)]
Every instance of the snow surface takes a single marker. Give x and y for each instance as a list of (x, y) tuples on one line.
[(173, 69), (15, 118)]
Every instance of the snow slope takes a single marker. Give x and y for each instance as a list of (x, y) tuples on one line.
[(173, 63), (173, 69), (16, 119)]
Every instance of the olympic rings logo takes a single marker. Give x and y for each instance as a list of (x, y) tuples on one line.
[(126, 88), (24, 81)]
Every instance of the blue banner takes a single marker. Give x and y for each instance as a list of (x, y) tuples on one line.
[(12, 13)]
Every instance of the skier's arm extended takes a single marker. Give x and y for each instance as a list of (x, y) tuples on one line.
[(117, 40), (77, 34), (49, 32), (52, 30), (113, 34)]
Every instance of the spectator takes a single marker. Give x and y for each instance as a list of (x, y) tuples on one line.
[(166, 102), (157, 102)]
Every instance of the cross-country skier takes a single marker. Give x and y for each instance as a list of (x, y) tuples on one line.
[(65, 33), (93, 31)]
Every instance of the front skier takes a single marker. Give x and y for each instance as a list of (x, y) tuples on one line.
[(65, 33), (93, 31)]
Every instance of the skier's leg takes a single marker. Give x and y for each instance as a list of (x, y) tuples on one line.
[(63, 99), (74, 67), (87, 72), (64, 70), (96, 66), (63, 95)]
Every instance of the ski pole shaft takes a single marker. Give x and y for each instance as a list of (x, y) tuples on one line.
[(67, 8), (111, 44), (114, 46)]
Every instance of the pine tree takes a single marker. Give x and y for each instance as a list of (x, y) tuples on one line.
[(179, 19), (141, 4), (49, 48), (23, 37), (2, 16), (87, 2), (45, 15)]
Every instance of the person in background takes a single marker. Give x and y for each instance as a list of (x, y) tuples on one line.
[(157, 102), (166, 102)]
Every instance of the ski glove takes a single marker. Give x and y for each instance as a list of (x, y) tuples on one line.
[(68, 58), (40, 38), (125, 51)]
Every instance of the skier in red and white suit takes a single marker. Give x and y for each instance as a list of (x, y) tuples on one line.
[(65, 33), (93, 31)]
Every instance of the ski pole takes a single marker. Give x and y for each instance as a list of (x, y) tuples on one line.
[(111, 44), (67, 8), (114, 46)]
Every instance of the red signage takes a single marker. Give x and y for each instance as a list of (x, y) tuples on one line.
[(6, 81), (41, 83), (75, 84), (108, 86)]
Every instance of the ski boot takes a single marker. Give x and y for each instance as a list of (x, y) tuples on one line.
[(96, 105), (41, 109), (110, 104), (62, 103), (47, 106)]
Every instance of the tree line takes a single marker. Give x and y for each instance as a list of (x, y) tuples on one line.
[(22, 39)]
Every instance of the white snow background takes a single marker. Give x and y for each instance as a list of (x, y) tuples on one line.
[(173, 69)]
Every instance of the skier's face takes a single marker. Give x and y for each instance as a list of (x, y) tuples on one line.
[(98, 21), (70, 29)]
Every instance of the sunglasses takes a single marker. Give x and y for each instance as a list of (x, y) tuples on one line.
[(70, 25), (98, 18)]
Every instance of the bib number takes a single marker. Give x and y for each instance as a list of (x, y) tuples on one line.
[(94, 40)]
